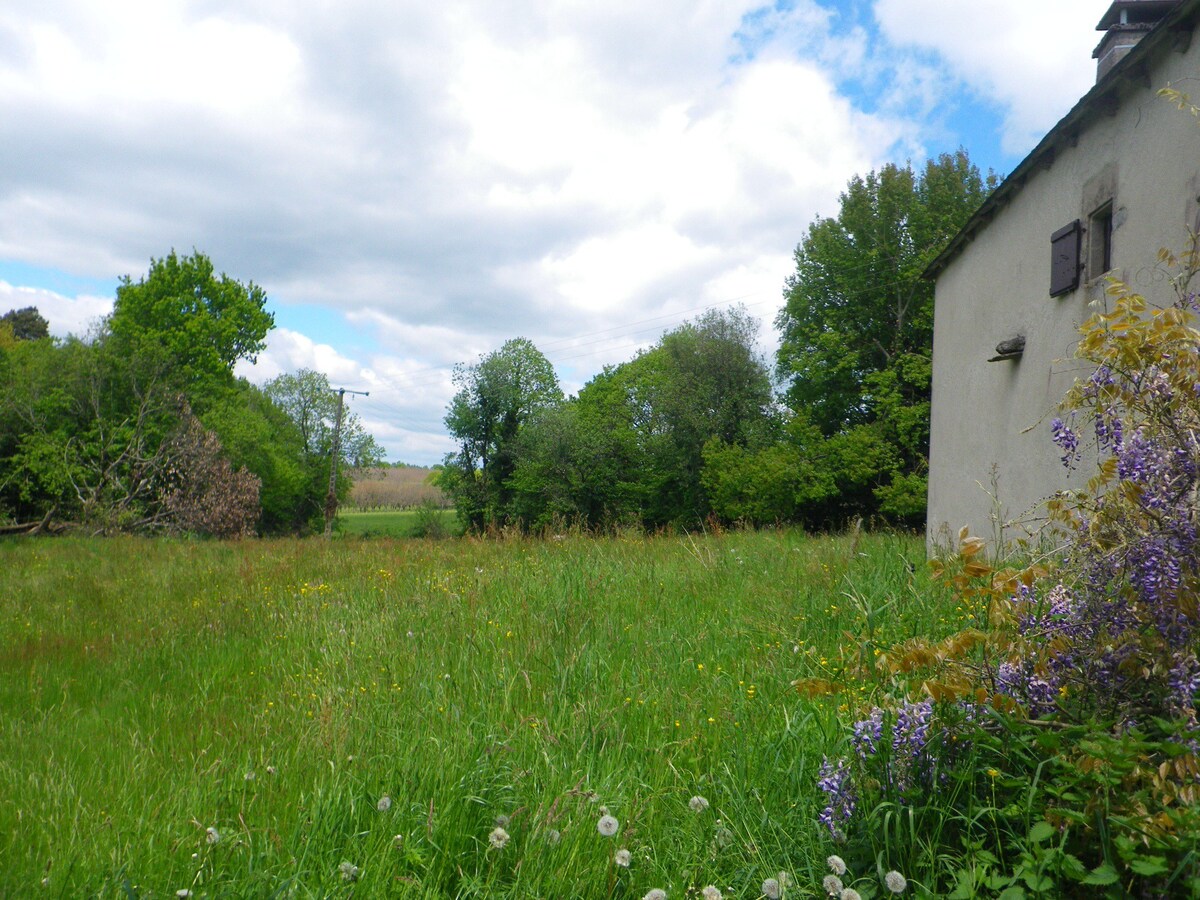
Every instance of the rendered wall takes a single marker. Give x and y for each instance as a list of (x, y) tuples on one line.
[(995, 416)]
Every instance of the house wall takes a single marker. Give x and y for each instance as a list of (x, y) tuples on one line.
[(991, 456)]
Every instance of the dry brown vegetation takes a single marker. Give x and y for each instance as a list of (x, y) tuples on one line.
[(388, 488)]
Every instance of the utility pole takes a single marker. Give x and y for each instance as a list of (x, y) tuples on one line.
[(331, 497)]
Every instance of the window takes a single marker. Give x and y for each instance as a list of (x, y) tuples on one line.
[(1064, 259), (1100, 229)]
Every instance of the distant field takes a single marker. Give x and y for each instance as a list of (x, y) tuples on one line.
[(398, 523), (325, 719), (388, 488)]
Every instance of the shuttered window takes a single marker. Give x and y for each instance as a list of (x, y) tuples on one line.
[(1064, 259)]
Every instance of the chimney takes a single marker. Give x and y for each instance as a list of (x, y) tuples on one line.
[(1126, 23)]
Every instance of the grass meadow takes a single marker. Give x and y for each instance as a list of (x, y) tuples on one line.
[(228, 718), (394, 523)]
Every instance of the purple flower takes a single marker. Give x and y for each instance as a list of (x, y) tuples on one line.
[(1067, 441), (834, 780)]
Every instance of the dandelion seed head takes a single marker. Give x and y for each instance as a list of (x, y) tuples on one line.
[(608, 825), (212, 835), (896, 883), (384, 804), (711, 893), (249, 776), (832, 885), (502, 820), (655, 894), (183, 892), (623, 858), (771, 889), (849, 894), (836, 864), (698, 804), (349, 871), (554, 836), (498, 838)]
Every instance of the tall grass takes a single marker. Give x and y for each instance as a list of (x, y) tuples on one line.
[(276, 691)]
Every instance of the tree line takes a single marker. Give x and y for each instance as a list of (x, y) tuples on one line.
[(142, 426), (700, 427)]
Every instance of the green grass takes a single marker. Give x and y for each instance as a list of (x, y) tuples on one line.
[(142, 683), (395, 523)]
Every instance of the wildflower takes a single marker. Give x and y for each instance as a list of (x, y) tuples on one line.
[(349, 871), (271, 770), (655, 894), (212, 835), (832, 885), (849, 894), (896, 883), (384, 804), (698, 804), (711, 893), (622, 858), (607, 825), (836, 864), (771, 889), (834, 780), (498, 838)]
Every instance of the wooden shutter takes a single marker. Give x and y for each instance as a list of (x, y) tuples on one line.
[(1064, 259)]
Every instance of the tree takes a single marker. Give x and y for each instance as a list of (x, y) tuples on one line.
[(857, 325), (630, 447), (497, 397), (308, 400), (256, 434), (703, 380), (27, 324), (297, 412), (203, 323), (201, 492)]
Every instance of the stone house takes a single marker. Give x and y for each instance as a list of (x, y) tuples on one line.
[(1114, 181)]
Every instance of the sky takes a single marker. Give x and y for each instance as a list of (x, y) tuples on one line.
[(413, 183)]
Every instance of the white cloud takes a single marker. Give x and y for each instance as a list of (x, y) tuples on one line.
[(65, 315), (1032, 57)]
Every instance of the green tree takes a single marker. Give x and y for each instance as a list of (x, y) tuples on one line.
[(27, 324), (703, 380), (630, 448), (857, 325), (203, 323), (256, 434), (497, 397), (308, 400)]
